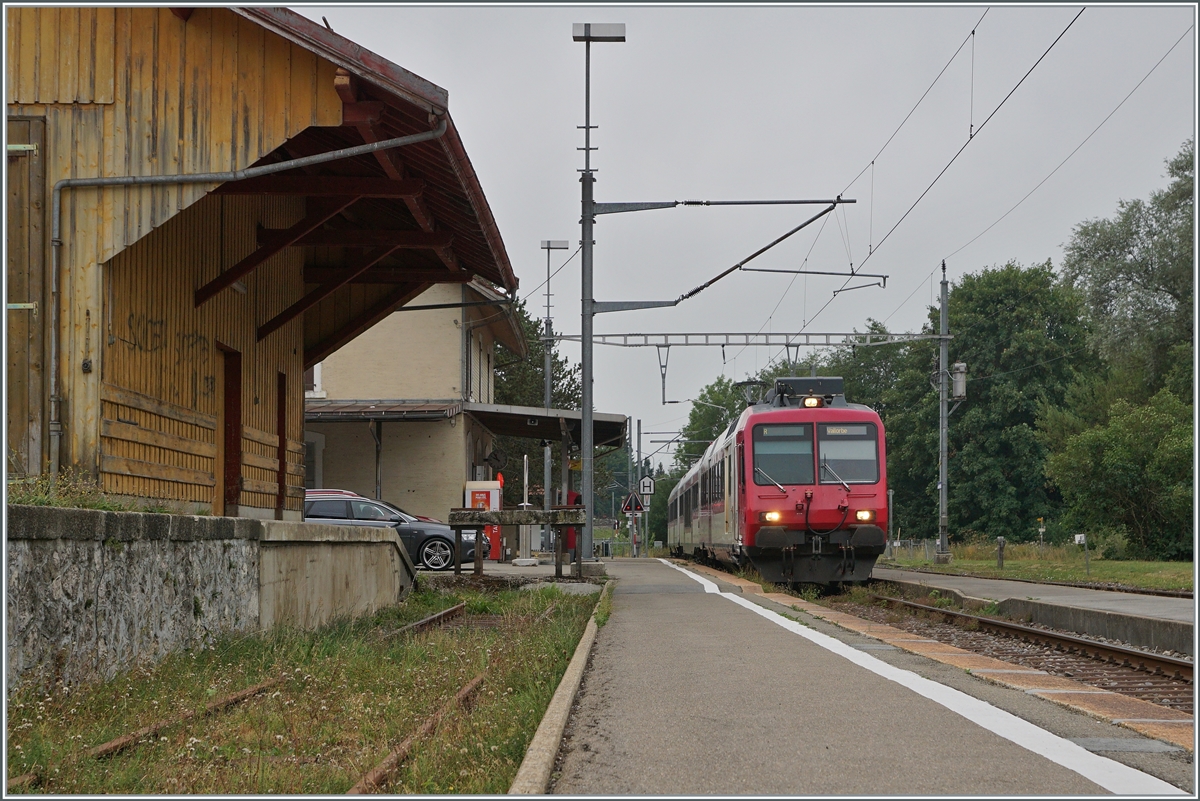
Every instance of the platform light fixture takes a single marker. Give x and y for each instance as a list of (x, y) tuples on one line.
[(588, 32)]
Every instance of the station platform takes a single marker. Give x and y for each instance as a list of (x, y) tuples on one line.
[(1145, 621)]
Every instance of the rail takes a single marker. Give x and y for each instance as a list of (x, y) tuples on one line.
[(1130, 657)]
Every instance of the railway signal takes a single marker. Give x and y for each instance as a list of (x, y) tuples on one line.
[(646, 487), (633, 504)]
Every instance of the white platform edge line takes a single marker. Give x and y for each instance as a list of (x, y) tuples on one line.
[(1107, 773)]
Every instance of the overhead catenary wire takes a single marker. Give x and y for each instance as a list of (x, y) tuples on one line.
[(982, 125), (1056, 169), (871, 165), (918, 103)]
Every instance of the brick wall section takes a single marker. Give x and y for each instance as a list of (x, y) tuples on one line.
[(93, 593)]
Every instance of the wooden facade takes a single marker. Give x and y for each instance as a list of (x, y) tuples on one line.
[(164, 395)]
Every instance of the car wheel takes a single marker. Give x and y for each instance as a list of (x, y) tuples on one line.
[(437, 554)]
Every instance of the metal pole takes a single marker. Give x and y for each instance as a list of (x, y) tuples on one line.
[(588, 219), (943, 546), (629, 477), (548, 344)]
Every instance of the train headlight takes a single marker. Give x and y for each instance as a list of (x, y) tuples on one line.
[(769, 517), (812, 403), (865, 515)]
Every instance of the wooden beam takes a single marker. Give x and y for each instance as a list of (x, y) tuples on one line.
[(364, 238), (322, 186), (397, 297), (323, 291), (388, 275), (368, 112), (346, 85), (319, 211)]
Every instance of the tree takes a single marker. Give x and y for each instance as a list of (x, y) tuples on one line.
[(715, 406), (1019, 331), (1136, 273), (521, 382), (1134, 473)]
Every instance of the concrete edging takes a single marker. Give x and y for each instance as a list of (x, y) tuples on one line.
[(533, 776)]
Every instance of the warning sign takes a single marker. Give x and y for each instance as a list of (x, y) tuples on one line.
[(633, 505)]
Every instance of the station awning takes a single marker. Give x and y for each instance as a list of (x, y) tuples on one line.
[(536, 422), (340, 411)]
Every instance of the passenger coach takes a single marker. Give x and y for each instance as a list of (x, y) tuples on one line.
[(796, 486)]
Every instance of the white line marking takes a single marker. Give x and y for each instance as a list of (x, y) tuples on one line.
[(1109, 774)]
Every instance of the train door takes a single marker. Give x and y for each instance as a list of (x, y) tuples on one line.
[(740, 494)]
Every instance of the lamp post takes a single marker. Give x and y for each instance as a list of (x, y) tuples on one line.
[(548, 345), (587, 33)]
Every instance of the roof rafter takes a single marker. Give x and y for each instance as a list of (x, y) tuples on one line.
[(320, 293), (319, 211)]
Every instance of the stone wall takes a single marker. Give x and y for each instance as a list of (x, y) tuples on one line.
[(92, 593)]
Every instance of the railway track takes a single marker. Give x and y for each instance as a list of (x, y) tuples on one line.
[(1158, 678)]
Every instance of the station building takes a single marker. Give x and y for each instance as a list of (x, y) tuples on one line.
[(163, 307), (406, 412)]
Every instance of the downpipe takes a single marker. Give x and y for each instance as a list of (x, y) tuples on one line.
[(56, 242)]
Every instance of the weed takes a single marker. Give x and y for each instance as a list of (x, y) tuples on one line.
[(351, 692), (604, 608)]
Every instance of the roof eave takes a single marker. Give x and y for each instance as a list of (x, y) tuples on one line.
[(354, 57)]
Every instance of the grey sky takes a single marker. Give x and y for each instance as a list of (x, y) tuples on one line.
[(789, 102)]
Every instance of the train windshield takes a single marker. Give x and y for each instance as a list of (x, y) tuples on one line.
[(783, 454), (848, 453)]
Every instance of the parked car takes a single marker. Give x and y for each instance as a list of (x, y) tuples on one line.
[(430, 543)]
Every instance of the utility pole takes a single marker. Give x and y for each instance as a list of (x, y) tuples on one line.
[(548, 344), (943, 547), (587, 33)]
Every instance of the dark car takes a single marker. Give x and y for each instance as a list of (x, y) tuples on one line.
[(430, 543)]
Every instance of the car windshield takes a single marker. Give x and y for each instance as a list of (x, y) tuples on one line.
[(407, 517)]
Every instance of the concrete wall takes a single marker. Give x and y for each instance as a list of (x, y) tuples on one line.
[(92, 593)]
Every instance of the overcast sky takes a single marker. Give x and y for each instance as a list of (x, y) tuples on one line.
[(731, 103)]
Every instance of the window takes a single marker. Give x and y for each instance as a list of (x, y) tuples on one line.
[(848, 453), (368, 511), (329, 509), (783, 454)]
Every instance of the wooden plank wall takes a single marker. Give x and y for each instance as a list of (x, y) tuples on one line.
[(138, 91), (161, 349)]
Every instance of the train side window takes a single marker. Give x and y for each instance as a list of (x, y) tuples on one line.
[(783, 454), (741, 468), (848, 452)]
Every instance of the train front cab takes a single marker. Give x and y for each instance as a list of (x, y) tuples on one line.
[(814, 490)]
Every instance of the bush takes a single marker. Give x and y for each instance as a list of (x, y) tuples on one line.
[(1135, 473)]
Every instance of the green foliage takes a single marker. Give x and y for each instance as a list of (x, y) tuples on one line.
[(1136, 273), (1020, 333), (1135, 472), (521, 382), (716, 405)]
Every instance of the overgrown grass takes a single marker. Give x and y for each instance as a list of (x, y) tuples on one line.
[(1053, 563), (352, 692), (75, 489), (604, 607)]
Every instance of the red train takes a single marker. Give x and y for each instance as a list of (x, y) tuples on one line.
[(796, 486)]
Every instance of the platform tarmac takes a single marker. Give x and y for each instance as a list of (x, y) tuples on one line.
[(1145, 621), (695, 688)]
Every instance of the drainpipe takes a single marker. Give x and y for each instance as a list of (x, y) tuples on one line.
[(377, 433), (194, 178)]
